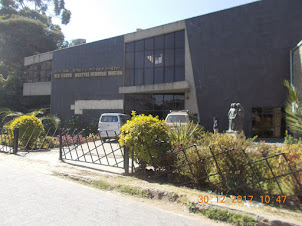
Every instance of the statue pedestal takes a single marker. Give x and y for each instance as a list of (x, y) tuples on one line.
[(232, 133)]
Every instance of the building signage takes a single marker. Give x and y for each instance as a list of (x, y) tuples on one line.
[(88, 72)]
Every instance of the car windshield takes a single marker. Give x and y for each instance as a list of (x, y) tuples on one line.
[(109, 118), (176, 118)]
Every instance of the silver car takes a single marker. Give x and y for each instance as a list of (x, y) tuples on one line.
[(110, 124)]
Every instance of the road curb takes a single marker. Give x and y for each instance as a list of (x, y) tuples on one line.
[(171, 196)]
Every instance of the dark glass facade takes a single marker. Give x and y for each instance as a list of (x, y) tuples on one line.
[(268, 122), (154, 104), (40, 72), (160, 59)]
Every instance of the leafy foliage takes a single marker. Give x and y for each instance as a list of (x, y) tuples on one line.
[(73, 123), (29, 129), (293, 109), (22, 36), (185, 134), (289, 139), (41, 7), (26, 29), (7, 115), (141, 134), (233, 163)]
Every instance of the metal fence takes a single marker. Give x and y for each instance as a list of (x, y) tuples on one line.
[(231, 172), (28, 139), (92, 148), (35, 139), (6, 141)]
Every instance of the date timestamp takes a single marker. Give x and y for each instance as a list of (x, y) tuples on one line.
[(243, 199)]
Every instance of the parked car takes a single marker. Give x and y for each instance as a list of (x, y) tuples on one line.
[(110, 124), (177, 118)]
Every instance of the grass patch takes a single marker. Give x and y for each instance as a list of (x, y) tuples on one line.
[(102, 185), (224, 215), (135, 191)]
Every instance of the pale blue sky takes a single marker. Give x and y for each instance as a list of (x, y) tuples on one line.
[(100, 19)]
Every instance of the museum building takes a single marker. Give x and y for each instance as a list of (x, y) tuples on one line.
[(202, 64)]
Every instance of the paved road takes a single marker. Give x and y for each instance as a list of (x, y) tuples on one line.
[(31, 198)]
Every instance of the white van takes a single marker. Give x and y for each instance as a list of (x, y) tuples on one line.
[(110, 124)]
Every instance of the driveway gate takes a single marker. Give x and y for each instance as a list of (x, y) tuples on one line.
[(76, 146), (6, 141)]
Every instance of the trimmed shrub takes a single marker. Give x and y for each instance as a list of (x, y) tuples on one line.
[(29, 128), (141, 134)]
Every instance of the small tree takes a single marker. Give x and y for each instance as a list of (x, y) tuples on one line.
[(147, 136)]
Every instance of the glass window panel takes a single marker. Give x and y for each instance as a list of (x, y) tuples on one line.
[(158, 101), (127, 77), (139, 102), (169, 57), (180, 39), (149, 44), (131, 77), (129, 47), (129, 60), (139, 45), (148, 76), (179, 97), (139, 59), (148, 103), (138, 77), (159, 58), (179, 101), (179, 74), (108, 118), (129, 103), (169, 74), (168, 102), (159, 42), (158, 75), (179, 57), (169, 41), (149, 58)]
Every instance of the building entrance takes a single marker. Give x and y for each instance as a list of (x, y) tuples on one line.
[(154, 104)]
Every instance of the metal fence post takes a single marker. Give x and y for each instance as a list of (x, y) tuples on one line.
[(126, 160), (60, 138), (15, 141)]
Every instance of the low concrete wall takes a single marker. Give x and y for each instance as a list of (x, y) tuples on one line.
[(81, 105), (37, 89)]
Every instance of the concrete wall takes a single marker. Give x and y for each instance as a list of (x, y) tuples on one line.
[(87, 97), (38, 58), (37, 89), (297, 67), (242, 55)]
